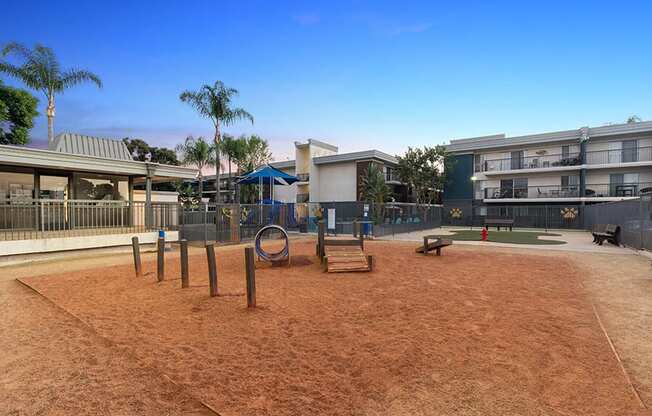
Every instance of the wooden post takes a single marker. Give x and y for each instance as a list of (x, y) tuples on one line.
[(184, 263), (160, 270), (320, 239), (250, 268), (212, 269), (370, 262), (136, 249)]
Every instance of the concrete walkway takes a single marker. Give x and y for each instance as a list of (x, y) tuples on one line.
[(576, 240)]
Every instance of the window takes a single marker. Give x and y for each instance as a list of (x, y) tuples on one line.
[(101, 187), (53, 187), (514, 188), (517, 160), (570, 181), (15, 186), (565, 151), (623, 184), (630, 151)]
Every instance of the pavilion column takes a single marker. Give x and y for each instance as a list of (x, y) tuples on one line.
[(148, 197)]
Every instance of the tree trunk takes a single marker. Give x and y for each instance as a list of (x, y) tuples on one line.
[(230, 180), (50, 115), (201, 186), (217, 163)]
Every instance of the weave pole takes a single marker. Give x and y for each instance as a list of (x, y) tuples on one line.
[(212, 270), (250, 269), (136, 250), (184, 263), (160, 258)]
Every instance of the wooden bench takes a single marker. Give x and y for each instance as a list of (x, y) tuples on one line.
[(499, 222), (609, 232), (437, 244)]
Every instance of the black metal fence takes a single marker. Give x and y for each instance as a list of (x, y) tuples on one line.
[(233, 223), (566, 216), (634, 217)]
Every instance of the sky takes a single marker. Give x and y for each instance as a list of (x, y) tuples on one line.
[(357, 74)]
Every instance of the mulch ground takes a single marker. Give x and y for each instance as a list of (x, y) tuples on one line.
[(469, 333)]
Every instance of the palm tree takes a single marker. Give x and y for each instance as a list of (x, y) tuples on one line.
[(214, 102), (633, 119), (41, 71), (232, 148), (197, 152), (374, 187)]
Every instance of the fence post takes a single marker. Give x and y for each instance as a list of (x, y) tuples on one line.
[(136, 249), (184, 263), (212, 270), (250, 268)]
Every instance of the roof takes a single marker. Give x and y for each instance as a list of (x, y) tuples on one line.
[(39, 158), (351, 157), (318, 143), (283, 164), (90, 146), (499, 140)]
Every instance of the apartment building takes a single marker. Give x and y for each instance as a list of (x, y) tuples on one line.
[(582, 166), (328, 176)]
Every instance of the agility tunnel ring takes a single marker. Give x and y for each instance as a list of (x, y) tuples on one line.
[(277, 257)]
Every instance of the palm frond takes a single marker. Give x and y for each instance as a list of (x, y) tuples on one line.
[(77, 76)]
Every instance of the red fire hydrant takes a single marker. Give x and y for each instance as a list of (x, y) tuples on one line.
[(484, 233)]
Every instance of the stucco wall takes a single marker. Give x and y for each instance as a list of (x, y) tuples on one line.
[(337, 182)]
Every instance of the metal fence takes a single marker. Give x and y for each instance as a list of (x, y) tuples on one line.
[(634, 217), (27, 219), (566, 216), (233, 223)]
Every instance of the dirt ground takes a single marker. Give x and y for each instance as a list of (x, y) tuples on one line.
[(474, 332)]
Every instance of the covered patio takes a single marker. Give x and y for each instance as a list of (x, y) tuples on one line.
[(82, 191)]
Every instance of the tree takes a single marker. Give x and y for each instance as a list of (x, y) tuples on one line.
[(139, 150), (255, 152), (633, 119), (187, 195), (199, 153), (17, 112), (374, 188), (423, 170), (233, 149), (41, 71), (214, 103)]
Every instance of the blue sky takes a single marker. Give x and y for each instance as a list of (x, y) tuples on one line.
[(358, 74)]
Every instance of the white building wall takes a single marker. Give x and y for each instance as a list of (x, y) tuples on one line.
[(337, 182), (286, 193)]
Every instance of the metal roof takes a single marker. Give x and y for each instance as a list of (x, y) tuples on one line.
[(354, 156), (78, 144)]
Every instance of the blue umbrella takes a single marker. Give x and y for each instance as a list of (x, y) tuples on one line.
[(267, 174)]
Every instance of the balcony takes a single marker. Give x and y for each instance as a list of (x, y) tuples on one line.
[(571, 191), (604, 157), (531, 162), (303, 177)]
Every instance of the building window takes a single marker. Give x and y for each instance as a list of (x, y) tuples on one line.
[(101, 187), (16, 186), (623, 184), (517, 160), (53, 187), (630, 151)]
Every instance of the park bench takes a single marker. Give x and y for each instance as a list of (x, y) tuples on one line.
[(499, 222), (437, 244), (609, 232)]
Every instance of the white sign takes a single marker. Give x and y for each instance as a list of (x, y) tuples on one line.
[(331, 218)]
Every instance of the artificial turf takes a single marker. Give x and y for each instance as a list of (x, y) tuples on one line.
[(511, 237)]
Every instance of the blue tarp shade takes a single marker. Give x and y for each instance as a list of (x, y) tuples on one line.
[(264, 174)]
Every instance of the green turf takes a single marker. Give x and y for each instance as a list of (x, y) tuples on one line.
[(512, 237)]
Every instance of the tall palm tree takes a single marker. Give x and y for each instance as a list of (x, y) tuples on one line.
[(231, 148), (199, 153), (214, 103), (41, 71)]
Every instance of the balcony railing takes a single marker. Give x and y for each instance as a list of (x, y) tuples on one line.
[(570, 191), (603, 157), (25, 219), (531, 162), (303, 177)]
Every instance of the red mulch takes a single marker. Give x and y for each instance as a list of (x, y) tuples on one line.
[(473, 332)]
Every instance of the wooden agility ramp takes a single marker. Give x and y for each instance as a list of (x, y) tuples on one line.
[(342, 255), (339, 259)]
